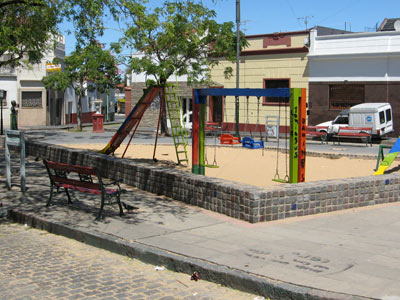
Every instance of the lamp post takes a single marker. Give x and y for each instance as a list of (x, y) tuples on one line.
[(2, 92)]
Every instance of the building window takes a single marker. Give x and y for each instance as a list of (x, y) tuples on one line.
[(31, 99), (342, 96), (274, 84)]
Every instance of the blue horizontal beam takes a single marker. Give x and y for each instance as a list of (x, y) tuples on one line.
[(280, 92)]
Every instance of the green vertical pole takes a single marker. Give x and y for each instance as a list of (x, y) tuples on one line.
[(201, 138), (107, 109), (195, 133), (295, 94)]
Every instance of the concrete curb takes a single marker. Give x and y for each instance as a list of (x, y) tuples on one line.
[(220, 274)]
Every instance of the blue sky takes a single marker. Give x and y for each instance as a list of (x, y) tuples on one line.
[(265, 16)]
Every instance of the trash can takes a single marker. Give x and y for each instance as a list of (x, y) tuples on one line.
[(97, 120)]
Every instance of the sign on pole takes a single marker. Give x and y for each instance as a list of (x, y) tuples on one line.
[(15, 138), (272, 126)]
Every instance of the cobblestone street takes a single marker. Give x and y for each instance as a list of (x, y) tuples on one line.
[(35, 264)]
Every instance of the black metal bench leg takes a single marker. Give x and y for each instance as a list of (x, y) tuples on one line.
[(51, 196), (69, 198), (101, 208), (121, 212)]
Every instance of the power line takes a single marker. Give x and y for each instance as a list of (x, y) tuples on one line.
[(352, 3), (293, 12)]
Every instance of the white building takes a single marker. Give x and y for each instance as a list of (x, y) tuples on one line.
[(41, 107), (349, 69), (37, 107)]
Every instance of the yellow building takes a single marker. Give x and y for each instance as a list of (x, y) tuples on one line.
[(276, 60)]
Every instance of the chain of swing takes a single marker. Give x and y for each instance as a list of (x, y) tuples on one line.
[(214, 164), (257, 120), (277, 176), (247, 123)]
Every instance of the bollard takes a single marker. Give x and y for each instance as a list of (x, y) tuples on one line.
[(97, 120)]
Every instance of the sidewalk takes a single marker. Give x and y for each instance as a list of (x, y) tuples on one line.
[(351, 254)]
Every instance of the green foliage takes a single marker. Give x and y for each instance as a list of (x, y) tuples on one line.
[(88, 17), (28, 27), (86, 68), (179, 37), (90, 64)]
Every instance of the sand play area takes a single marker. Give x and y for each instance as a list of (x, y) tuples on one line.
[(249, 166)]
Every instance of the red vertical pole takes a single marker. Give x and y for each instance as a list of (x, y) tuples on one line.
[(302, 136), (195, 135)]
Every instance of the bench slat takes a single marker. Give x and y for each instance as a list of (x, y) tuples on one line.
[(76, 183), (315, 133), (349, 132), (361, 134), (71, 168)]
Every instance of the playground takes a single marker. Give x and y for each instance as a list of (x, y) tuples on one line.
[(248, 166), (251, 164)]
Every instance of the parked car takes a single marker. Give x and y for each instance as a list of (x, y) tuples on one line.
[(378, 116)]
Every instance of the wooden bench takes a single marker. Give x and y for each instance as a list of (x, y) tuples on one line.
[(354, 132), (82, 179), (228, 139), (318, 131), (212, 126)]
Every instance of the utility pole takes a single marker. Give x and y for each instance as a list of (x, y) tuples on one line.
[(2, 95), (237, 64), (305, 20), (345, 26)]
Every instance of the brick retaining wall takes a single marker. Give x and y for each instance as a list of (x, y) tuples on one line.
[(233, 199)]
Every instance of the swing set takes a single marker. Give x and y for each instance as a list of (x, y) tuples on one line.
[(297, 147), (248, 141), (227, 138), (212, 126)]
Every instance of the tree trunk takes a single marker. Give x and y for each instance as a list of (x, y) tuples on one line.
[(164, 127), (79, 113)]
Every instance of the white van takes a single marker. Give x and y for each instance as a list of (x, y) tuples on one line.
[(378, 116)]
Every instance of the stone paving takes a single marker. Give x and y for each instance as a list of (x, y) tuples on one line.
[(351, 254), (35, 264)]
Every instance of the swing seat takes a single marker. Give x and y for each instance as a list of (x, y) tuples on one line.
[(249, 143), (278, 179), (228, 139), (211, 166)]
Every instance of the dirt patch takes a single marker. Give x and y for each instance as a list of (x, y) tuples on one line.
[(249, 166)]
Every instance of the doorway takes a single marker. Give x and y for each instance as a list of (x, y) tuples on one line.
[(216, 109)]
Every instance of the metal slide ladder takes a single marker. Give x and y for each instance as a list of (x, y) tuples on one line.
[(179, 136)]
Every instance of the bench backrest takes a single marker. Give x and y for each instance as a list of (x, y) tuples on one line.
[(70, 168), (315, 128), (58, 173), (359, 129)]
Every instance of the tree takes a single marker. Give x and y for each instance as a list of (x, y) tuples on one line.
[(85, 69), (180, 37), (28, 28), (21, 32)]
